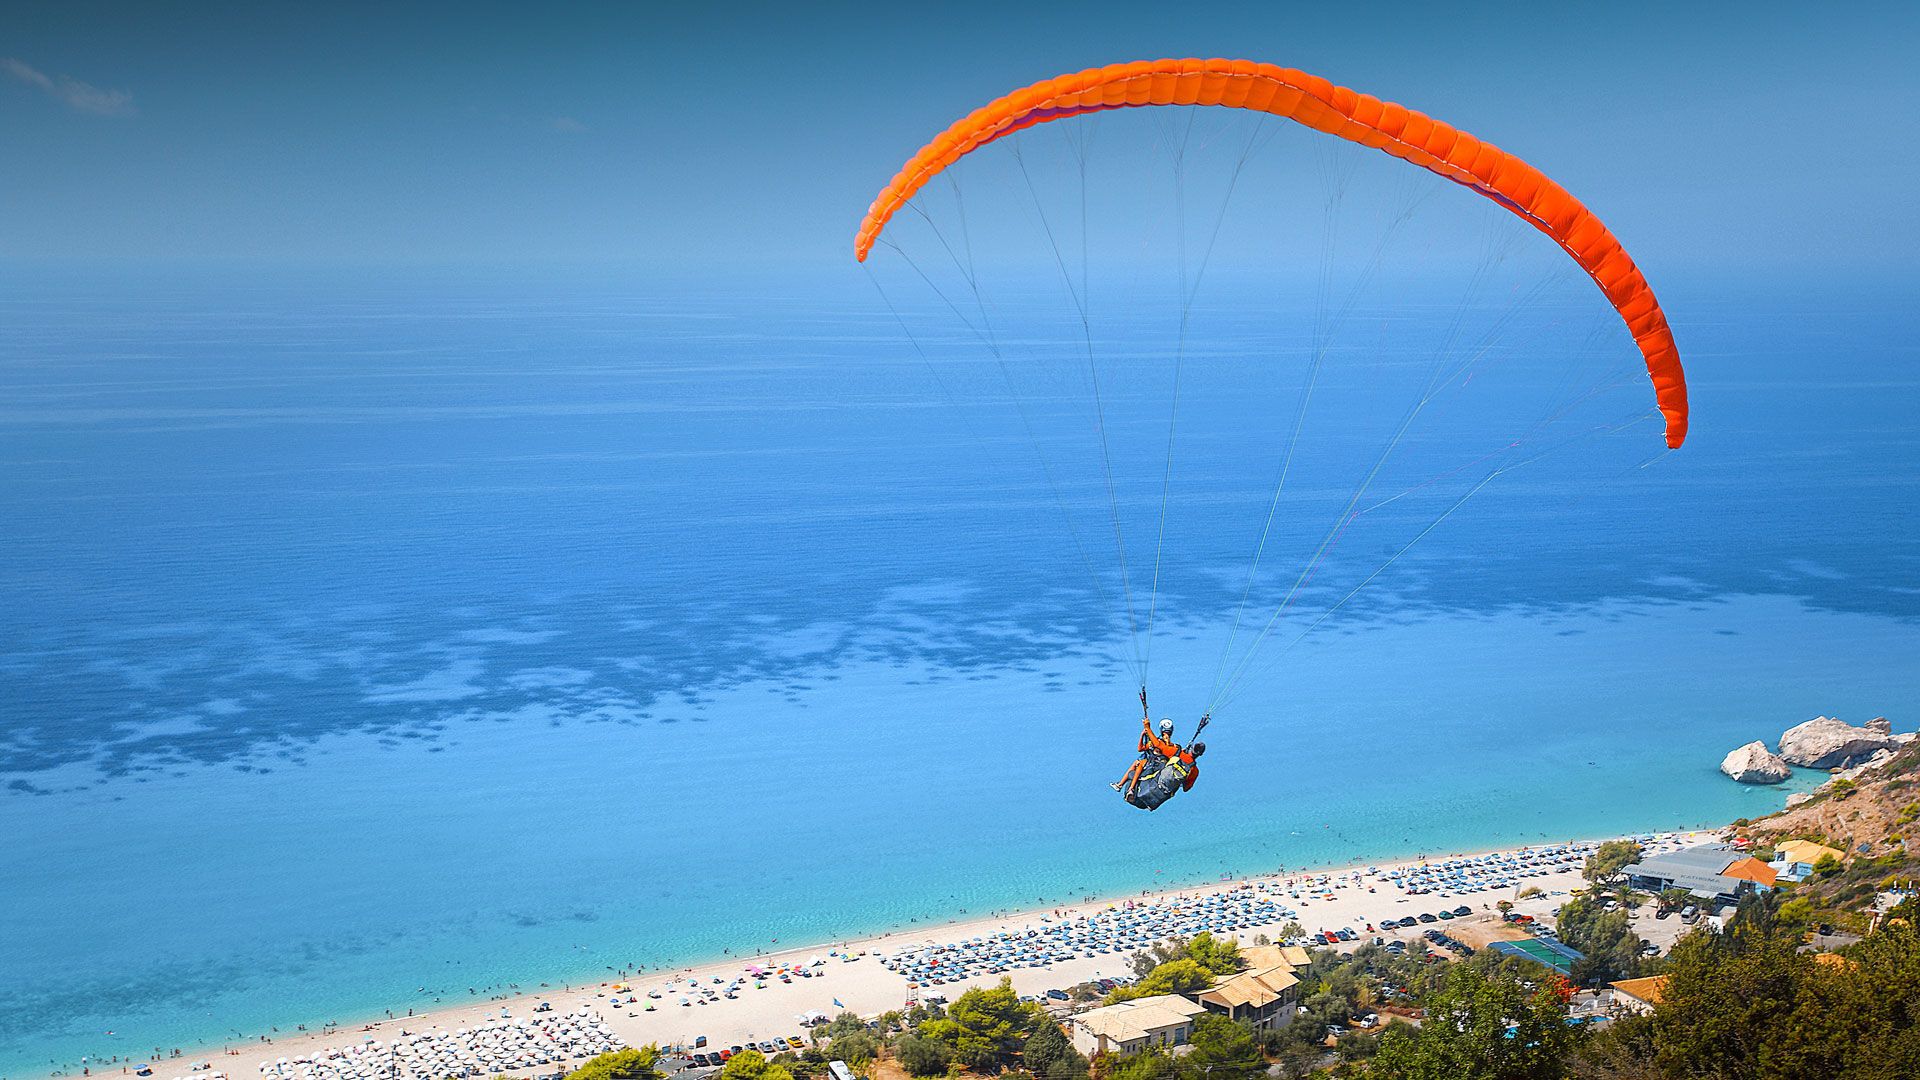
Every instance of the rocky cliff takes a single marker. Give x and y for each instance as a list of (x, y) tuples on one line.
[(1755, 764), (1827, 743)]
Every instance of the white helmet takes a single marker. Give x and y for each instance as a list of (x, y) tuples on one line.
[(1166, 727)]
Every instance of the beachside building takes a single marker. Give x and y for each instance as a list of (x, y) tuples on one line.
[(1805, 851), (1265, 956), (1887, 899), (1750, 869), (1265, 997), (1793, 860), (1132, 1026), (1791, 871), (1716, 873), (1638, 995)]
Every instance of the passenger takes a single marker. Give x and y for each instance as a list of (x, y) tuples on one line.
[(1155, 752), (1178, 774)]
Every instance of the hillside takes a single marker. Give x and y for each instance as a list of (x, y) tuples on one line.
[(1868, 813)]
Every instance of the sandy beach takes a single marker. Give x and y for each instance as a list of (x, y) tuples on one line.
[(742, 1001)]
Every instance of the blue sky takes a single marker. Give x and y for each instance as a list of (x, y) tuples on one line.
[(1724, 135)]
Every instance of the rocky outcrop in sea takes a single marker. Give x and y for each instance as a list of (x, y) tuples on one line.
[(1755, 764), (1827, 743)]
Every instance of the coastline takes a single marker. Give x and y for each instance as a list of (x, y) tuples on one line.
[(850, 973)]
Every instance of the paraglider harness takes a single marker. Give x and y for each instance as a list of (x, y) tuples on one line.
[(1160, 778)]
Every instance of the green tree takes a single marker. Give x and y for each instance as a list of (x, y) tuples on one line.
[(1357, 1047), (1606, 938), (844, 1024), (1747, 1003), (753, 1065), (1608, 860), (1183, 976), (1219, 956), (633, 1063), (1795, 913), (1050, 1056), (1724, 993), (1861, 1017), (1146, 1065), (1483, 1024), (856, 1048), (1221, 1050), (920, 1057), (1908, 910), (985, 1027), (1296, 1059)]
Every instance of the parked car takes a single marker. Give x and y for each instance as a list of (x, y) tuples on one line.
[(1428, 917), (1462, 911)]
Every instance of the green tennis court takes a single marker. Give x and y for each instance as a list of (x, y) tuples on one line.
[(1558, 957)]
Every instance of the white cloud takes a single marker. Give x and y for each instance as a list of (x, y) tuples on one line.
[(85, 97)]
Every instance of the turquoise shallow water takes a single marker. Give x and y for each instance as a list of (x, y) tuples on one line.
[(360, 640)]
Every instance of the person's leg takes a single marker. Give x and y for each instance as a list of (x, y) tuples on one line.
[(1145, 770), (1132, 779)]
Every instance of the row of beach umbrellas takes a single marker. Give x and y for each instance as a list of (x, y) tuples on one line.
[(485, 1049)]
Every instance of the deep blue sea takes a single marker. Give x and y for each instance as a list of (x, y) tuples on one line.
[(368, 633)]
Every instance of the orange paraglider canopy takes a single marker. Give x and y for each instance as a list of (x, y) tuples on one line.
[(1335, 110)]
